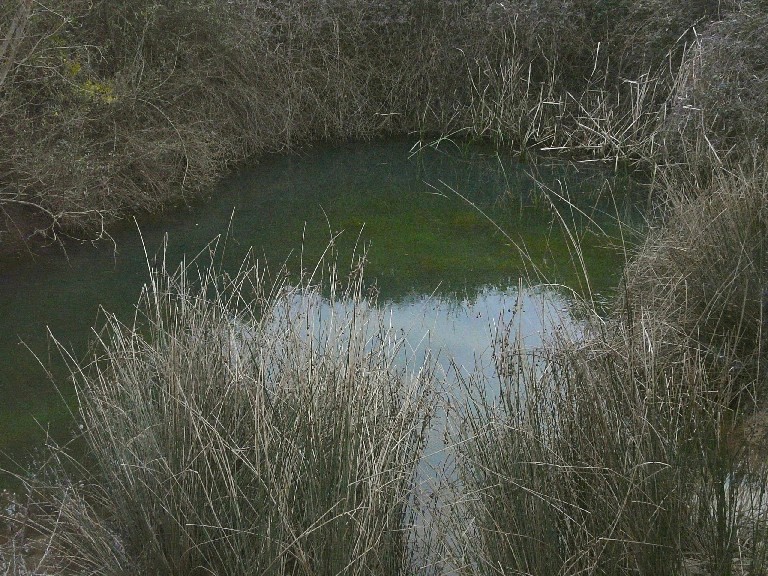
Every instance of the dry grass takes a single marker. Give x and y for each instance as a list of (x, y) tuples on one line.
[(240, 427), (114, 107), (702, 272), (606, 456)]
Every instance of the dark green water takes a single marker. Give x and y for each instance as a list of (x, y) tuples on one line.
[(445, 270)]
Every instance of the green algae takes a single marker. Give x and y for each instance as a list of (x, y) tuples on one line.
[(449, 225)]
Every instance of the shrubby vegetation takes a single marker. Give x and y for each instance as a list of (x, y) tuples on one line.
[(638, 448), (110, 107)]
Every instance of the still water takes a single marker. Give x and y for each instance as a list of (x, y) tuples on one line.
[(449, 234)]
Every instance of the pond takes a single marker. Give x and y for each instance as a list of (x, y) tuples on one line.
[(450, 234)]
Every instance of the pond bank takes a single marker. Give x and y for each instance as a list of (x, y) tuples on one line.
[(98, 126)]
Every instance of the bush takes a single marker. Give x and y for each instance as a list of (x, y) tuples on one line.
[(703, 272)]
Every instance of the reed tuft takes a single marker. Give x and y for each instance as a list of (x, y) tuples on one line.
[(239, 426)]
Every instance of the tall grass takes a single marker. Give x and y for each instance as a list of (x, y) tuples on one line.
[(243, 426), (703, 272), (604, 464), (637, 447), (114, 107), (240, 426)]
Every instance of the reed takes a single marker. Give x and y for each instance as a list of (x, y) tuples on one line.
[(244, 426), (240, 426), (134, 105), (607, 456), (636, 445)]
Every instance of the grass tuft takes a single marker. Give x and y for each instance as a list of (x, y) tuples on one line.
[(239, 426)]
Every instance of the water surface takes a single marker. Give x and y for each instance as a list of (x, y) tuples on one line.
[(447, 234)]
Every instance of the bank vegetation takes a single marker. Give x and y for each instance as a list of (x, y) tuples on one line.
[(639, 448), (112, 107)]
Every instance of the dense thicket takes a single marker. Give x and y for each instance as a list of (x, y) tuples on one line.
[(108, 107)]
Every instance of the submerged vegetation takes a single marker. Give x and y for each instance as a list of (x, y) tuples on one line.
[(228, 433)]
